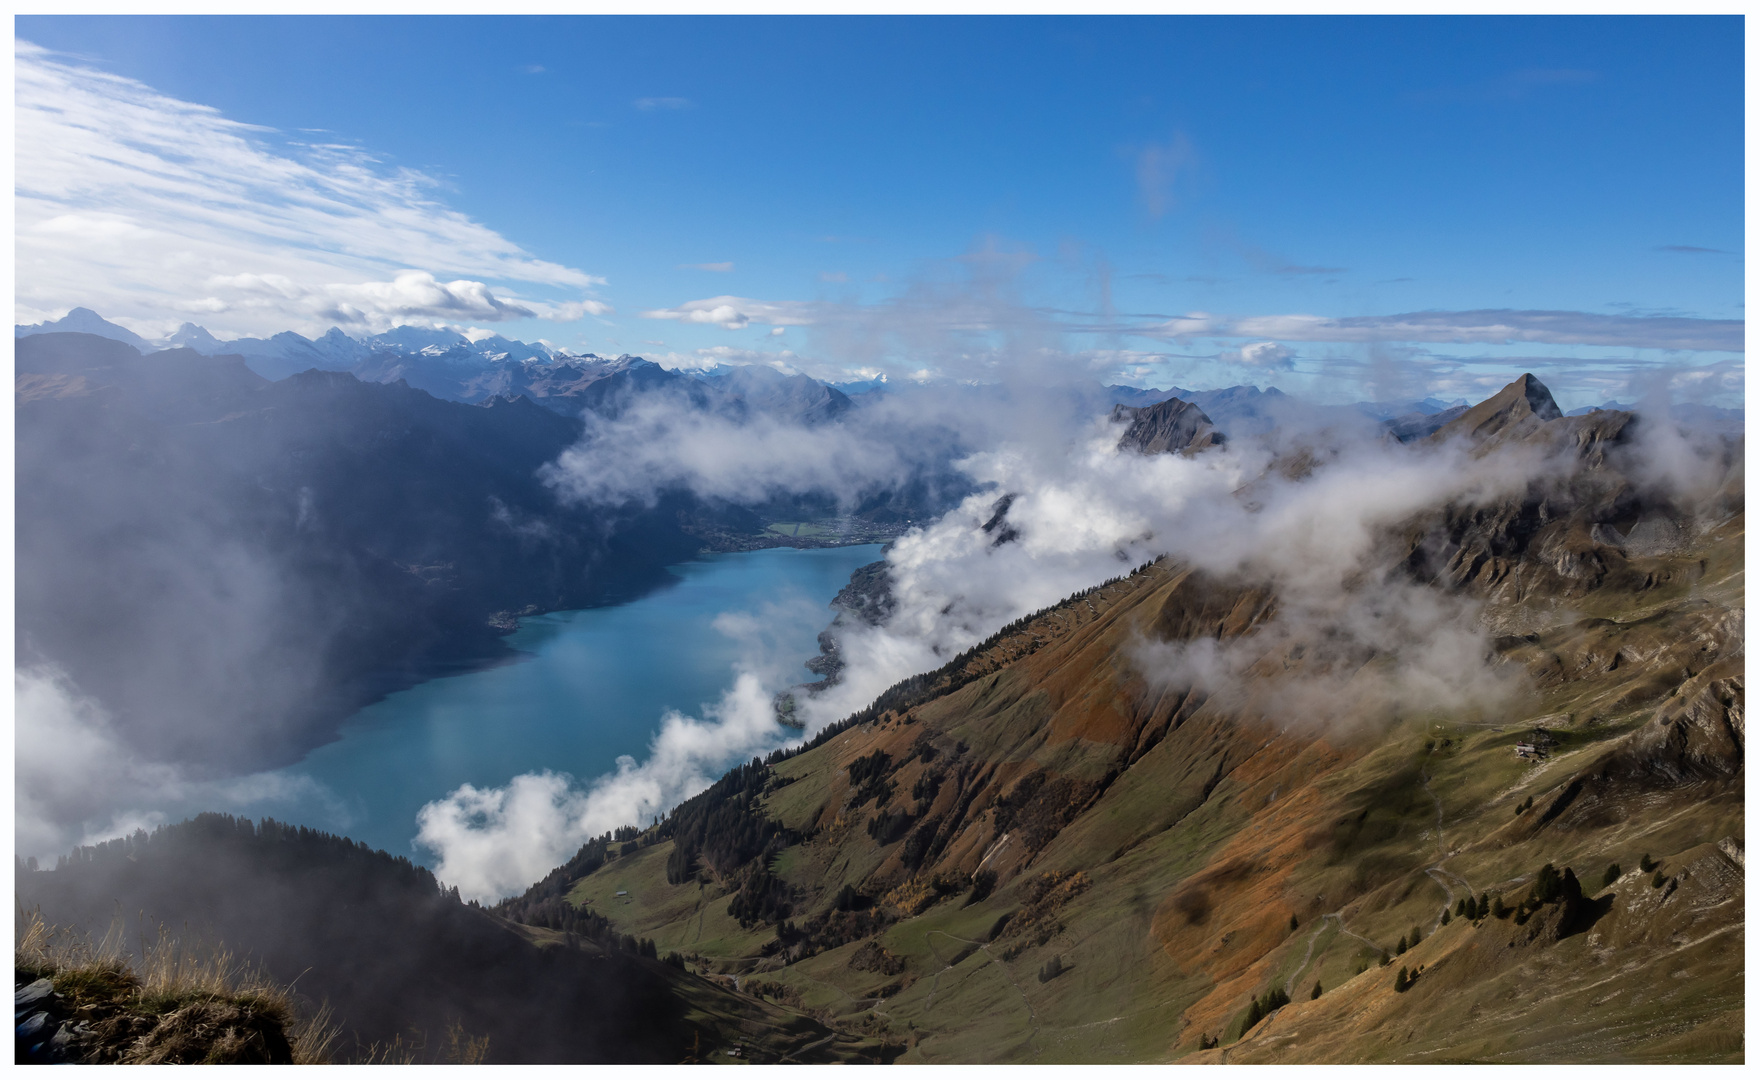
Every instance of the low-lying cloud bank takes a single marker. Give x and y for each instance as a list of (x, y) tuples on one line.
[(495, 841), (1081, 511), (78, 783)]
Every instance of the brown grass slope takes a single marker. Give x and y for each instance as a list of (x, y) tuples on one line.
[(1181, 856)]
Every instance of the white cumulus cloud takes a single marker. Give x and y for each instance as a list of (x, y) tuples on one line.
[(737, 312), (1261, 354)]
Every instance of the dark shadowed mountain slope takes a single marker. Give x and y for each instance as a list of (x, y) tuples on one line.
[(1141, 398), (1418, 425), (1248, 410), (229, 565), (570, 385), (757, 390), (566, 385), (397, 957)]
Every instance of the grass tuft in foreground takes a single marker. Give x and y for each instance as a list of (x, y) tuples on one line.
[(171, 1003)]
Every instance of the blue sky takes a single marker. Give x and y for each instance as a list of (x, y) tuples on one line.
[(1207, 201)]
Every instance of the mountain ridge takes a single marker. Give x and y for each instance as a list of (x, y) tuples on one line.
[(1167, 856)]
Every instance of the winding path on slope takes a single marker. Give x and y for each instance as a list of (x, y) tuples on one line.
[(1436, 871), (1338, 916)]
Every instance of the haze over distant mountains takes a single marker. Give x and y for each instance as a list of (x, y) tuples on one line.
[(454, 367)]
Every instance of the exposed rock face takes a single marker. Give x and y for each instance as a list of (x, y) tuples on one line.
[(1518, 409), (1571, 528), (1172, 427), (1697, 734), (868, 596), (866, 599)]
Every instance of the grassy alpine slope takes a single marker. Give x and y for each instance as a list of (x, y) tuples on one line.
[(1037, 855)]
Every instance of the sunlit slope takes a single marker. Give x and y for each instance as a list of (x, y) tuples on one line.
[(1181, 856)]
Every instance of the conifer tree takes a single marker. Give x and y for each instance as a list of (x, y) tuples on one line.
[(1255, 1013)]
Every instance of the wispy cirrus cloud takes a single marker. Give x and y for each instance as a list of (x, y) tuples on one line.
[(1501, 326), (1504, 327), (1689, 249), (713, 268), (907, 335), (649, 104), (142, 205)]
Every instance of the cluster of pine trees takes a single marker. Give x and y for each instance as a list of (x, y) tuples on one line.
[(1261, 1007), (555, 913), (723, 828), (282, 845), (760, 896), (592, 855), (867, 775)]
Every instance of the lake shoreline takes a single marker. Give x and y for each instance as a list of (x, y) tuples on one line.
[(461, 652), (570, 691)]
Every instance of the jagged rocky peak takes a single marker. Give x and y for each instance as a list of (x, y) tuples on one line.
[(1517, 408), (1170, 427)]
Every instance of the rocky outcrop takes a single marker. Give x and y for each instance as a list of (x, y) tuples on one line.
[(90, 1027), (868, 600), (1172, 427), (1697, 734)]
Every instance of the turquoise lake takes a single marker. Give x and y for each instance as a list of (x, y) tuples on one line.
[(588, 686)]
